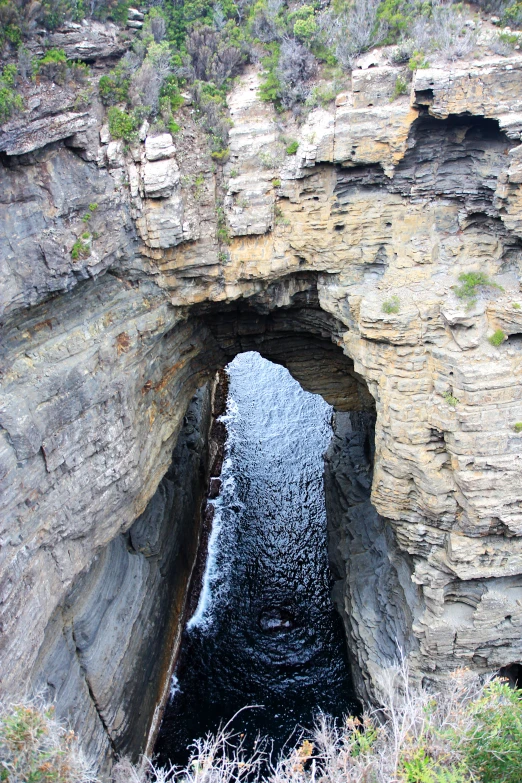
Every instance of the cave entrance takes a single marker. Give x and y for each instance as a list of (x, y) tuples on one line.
[(265, 633)]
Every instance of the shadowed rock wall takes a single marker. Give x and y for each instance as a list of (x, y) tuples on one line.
[(373, 588), (108, 648)]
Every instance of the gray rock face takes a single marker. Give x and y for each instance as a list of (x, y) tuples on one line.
[(341, 262), (89, 40), (109, 645), (19, 139), (374, 591), (43, 206)]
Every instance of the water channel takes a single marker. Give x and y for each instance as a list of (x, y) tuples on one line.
[(264, 631)]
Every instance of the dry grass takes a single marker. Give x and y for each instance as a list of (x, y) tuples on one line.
[(36, 748), (418, 736), (465, 732)]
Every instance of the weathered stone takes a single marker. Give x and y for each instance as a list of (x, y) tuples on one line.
[(490, 88), (88, 40), (98, 669), (376, 86), (20, 137), (159, 178), (115, 157), (159, 147)]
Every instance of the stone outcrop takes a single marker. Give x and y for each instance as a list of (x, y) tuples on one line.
[(87, 41), (341, 262), (99, 669)]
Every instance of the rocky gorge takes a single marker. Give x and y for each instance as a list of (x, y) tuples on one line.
[(340, 262)]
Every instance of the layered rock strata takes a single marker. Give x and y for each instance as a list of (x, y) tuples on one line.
[(107, 648), (342, 264)]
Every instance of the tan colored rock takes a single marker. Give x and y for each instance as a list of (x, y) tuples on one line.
[(162, 225), (376, 86), (378, 202), (255, 157), (490, 88)]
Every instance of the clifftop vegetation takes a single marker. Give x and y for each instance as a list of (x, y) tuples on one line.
[(201, 45), (465, 733)]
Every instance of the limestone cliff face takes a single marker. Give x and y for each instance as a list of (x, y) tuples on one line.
[(102, 355)]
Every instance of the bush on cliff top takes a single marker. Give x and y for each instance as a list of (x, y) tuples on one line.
[(464, 732), (122, 125), (36, 748)]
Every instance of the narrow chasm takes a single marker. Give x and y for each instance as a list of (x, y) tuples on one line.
[(264, 632)]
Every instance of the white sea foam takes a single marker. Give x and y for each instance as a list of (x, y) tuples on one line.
[(174, 687), (283, 425), (214, 582)]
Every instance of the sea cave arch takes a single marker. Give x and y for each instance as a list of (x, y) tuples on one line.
[(111, 642)]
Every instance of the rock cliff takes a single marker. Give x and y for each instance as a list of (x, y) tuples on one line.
[(341, 262)]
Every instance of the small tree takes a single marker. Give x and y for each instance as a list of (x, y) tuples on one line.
[(295, 69)]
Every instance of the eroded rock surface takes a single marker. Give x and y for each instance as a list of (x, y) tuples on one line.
[(341, 262)]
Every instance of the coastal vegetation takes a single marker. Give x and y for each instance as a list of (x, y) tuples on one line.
[(462, 731)]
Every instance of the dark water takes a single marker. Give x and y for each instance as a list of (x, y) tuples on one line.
[(264, 632)]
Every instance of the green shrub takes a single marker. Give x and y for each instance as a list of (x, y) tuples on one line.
[(512, 15), (233, 174), (53, 56), (53, 66), (280, 218), (220, 155), (516, 306), (494, 743), (518, 426), (270, 85), (401, 88), (35, 748), (416, 765), (450, 399), (276, 183), (80, 250), (93, 207), (170, 90), (292, 148), (391, 305), (114, 87), (470, 283), (305, 29), (10, 101), (397, 15), (511, 39), (322, 95), (497, 338), (10, 32), (121, 124), (223, 235), (418, 61)]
